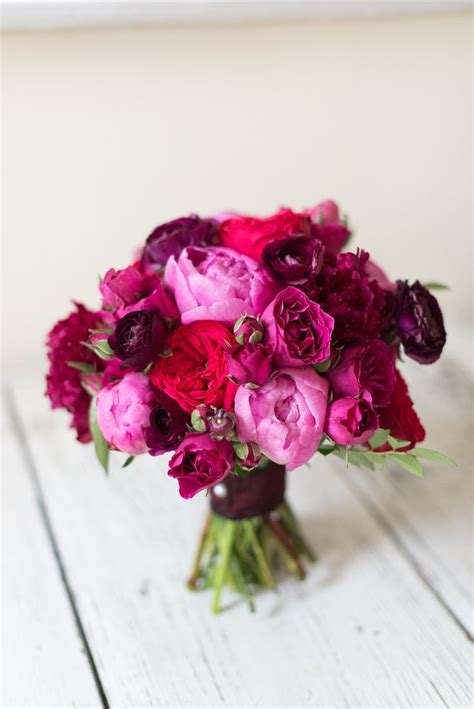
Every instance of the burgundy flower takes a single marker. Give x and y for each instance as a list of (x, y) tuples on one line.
[(351, 421), (201, 462), (138, 338), (360, 307), (63, 382), (420, 322), (168, 425), (250, 363), (332, 236), (297, 329), (400, 417), (171, 238), (294, 259), (368, 366)]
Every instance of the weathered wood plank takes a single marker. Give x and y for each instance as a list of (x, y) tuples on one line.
[(433, 518), (363, 630), (43, 660)]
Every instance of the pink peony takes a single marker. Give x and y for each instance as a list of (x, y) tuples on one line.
[(285, 416), (63, 382), (123, 413), (298, 330), (351, 421), (218, 284), (201, 462)]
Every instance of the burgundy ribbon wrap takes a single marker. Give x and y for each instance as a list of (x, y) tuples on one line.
[(259, 493)]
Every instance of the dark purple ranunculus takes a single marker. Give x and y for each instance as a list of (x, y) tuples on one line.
[(63, 382), (298, 330), (250, 363), (368, 366), (171, 238), (201, 462), (168, 425), (138, 338), (360, 307), (294, 259), (420, 322)]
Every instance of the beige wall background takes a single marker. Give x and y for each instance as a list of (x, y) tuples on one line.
[(107, 133)]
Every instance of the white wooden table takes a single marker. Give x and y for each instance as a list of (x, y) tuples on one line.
[(95, 611)]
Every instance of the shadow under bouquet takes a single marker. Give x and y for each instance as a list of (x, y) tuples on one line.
[(243, 346)]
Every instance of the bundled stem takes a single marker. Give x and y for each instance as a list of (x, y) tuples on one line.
[(243, 554)]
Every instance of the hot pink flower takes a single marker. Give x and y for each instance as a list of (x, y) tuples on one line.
[(120, 288), (123, 413), (201, 462), (351, 421), (285, 416), (297, 329), (218, 284), (328, 227)]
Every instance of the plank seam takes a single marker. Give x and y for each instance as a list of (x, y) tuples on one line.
[(404, 550), (21, 437)]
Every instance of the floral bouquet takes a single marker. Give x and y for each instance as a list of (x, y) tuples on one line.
[(243, 346)]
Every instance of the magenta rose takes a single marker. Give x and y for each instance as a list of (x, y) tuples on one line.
[(249, 363), (201, 462), (297, 329), (369, 367), (328, 227), (284, 417), (120, 288), (123, 413), (218, 284), (351, 421)]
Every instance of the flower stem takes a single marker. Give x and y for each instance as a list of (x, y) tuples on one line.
[(286, 544), (195, 572), (228, 534)]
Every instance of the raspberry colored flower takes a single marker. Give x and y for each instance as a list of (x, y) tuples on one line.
[(400, 418), (63, 383), (285, 416), (368, 366), (171, 238), (168, 425), (249, 235), (123, 413), (121, 288), (201, 462), (327, 226), (250, 363), (420, 323), (297, 329), (196, 371), (351, 421), (360, 307), (218, 284)]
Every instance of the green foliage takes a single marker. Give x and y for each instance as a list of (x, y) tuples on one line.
[(369, 457), (129, 460), (433, 285), (83, 367), (100, 444)]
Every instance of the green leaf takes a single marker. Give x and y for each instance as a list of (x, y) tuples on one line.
[(100, 444), (83, 367), (396, 443), (432, 285), (197, 421), (241, 450), (432, 455), (407, 462), (129, 460), (379, 438)]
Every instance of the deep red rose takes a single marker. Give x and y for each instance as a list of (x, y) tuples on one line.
[(196, 370), (201, 462), (249, 235), (400, 417), (63, 382)]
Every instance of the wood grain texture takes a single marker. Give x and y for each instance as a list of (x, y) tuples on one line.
[(43, 660), (364, 630)]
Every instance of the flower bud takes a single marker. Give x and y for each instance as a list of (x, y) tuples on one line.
[(248, 330), (221, 423)]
